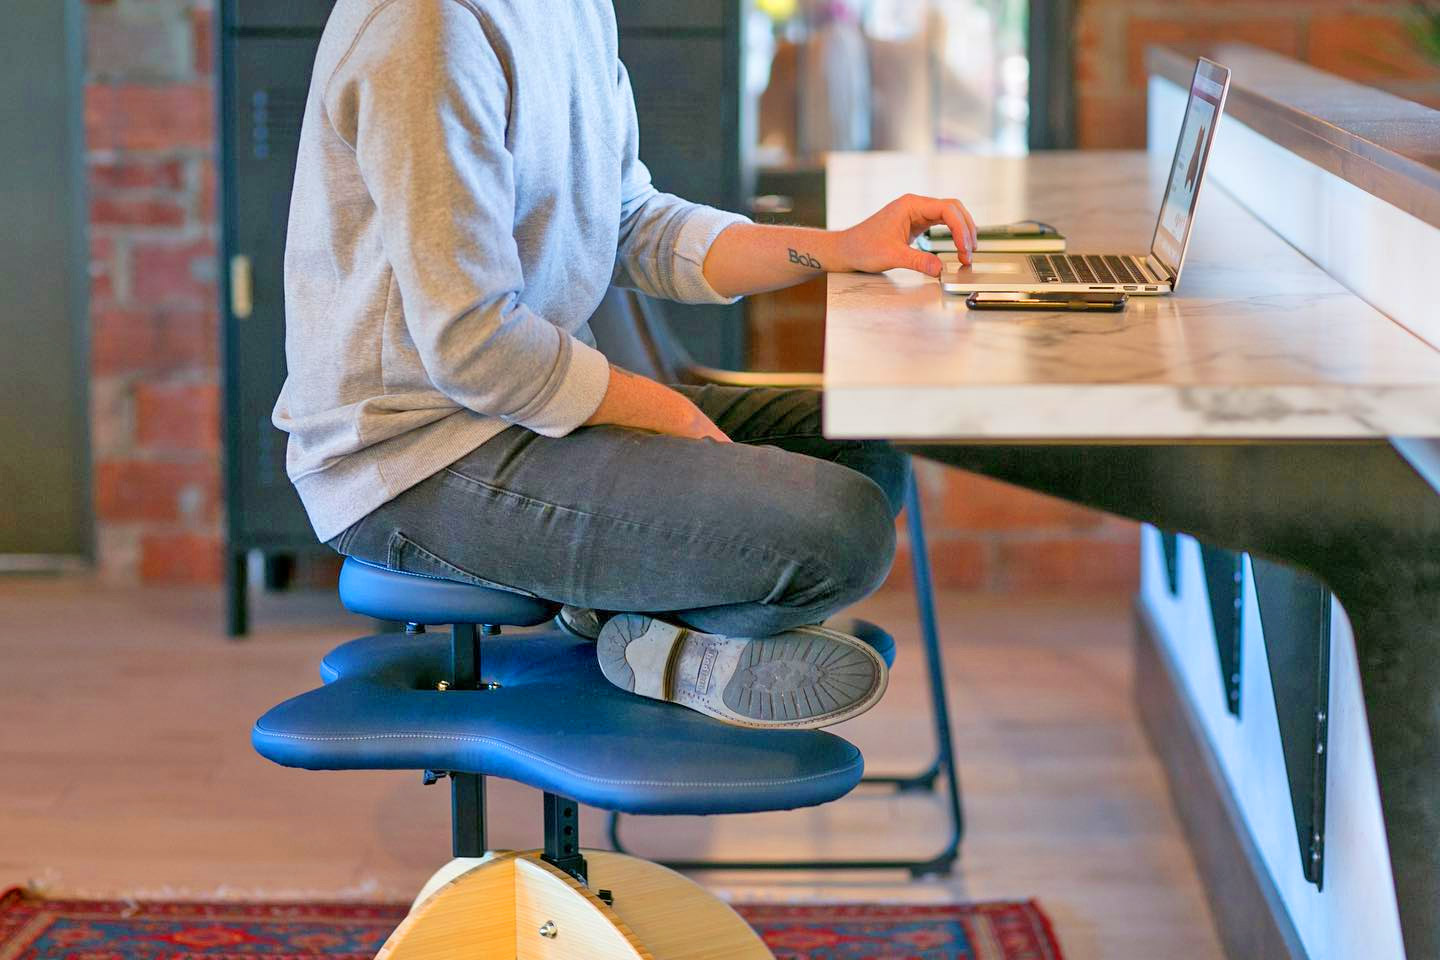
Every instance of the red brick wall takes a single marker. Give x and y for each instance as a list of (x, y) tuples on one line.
[(1365, 40), (988, 536), (154, 395)]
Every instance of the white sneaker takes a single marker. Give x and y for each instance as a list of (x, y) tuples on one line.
[(801, 679)]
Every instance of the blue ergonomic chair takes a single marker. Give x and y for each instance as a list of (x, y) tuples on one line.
[(534, 707), (632, 333)]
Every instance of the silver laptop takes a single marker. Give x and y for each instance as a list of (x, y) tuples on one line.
[(1154, 273)]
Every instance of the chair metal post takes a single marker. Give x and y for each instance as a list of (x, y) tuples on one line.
[(942, 861), (925, 778), (935, 660), (467, 815), (467, 790)]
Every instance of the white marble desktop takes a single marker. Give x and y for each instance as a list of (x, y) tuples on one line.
[(1258, 342)]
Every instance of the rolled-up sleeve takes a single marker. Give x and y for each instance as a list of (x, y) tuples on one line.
[(663, 239), (426, 113)]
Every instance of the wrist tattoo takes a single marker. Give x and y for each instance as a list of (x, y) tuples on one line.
[(804, 259)]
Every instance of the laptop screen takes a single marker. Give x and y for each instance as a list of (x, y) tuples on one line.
[(1177, 210)]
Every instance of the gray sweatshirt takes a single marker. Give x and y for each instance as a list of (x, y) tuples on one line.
[(468, 186)]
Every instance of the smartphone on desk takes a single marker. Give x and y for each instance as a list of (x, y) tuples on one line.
[(1011, 300)]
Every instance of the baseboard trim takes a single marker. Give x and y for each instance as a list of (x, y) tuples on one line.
[(1249, 915)]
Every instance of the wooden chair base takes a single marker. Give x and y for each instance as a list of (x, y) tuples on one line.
[(515, 906)]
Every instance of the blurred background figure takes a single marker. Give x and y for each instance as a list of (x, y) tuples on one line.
[(888, 75), (834, 87)]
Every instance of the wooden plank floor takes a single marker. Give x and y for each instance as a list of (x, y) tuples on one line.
[(126, 769)]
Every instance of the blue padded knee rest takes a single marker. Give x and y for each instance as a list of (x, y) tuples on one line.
[(555, 723), (881, 641), (375, 591)]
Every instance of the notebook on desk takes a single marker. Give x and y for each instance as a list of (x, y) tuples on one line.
[(1026, 236)]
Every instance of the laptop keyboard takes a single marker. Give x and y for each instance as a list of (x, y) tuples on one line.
[(1084, 268)]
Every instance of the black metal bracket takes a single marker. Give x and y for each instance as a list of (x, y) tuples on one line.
[(1224, 581), (1295, 620), (562, 837)]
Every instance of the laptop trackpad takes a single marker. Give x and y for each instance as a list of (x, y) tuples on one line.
[(987, 268)]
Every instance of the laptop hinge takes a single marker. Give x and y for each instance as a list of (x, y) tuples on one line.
[(1157, 269)]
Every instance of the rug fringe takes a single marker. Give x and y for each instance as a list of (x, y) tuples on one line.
[(367, 893), (1049, 927)]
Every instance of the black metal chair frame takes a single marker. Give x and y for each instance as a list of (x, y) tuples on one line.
[(467, 790)]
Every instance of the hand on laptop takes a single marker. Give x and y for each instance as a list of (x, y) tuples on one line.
[(748, 258), (883, 241)]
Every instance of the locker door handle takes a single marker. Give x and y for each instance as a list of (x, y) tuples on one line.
[(242, 294)]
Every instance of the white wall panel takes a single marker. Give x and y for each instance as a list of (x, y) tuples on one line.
[(1355, 915)]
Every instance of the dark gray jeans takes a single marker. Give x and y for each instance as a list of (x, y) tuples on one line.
[(781, 528)]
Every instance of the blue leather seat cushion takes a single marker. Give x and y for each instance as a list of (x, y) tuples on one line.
[(555, 723), (879, 639), (384, 594)]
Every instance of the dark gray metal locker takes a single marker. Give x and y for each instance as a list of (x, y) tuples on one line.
[(271, 75), (267, 50)]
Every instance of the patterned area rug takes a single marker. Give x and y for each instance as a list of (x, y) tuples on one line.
[(38, 929)]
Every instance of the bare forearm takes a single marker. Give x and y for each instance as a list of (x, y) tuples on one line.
[(643, 404), (753, 258)]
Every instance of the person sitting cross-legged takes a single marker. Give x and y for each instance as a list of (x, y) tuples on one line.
[(468, 187)]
